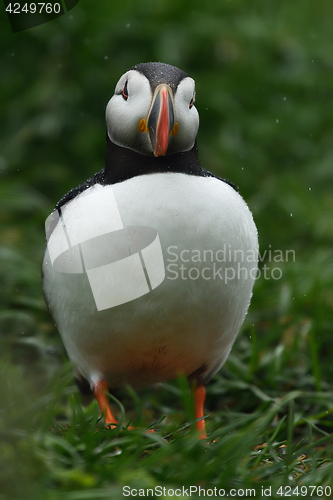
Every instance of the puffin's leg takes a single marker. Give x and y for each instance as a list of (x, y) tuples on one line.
[(100, 390), (199, 400)]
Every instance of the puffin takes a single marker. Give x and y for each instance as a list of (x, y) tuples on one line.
[(150, 264)]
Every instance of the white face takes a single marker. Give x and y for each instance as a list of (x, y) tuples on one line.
[(124, 114)]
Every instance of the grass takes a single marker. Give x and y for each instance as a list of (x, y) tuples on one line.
[(264, 94), (268, 425)]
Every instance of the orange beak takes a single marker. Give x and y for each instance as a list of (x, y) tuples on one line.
[(161, 119)]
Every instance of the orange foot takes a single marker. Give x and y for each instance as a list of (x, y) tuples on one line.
[(199, 401), (101, 390)]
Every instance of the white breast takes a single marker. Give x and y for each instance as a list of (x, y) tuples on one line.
[(189, 320)]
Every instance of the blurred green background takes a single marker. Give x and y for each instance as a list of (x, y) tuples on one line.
[(264, 81)]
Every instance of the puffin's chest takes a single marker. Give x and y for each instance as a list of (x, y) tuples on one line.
[(153, 219), (162, 261), (191, 232)]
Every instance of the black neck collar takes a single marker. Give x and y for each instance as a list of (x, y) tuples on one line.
[(122, 163)]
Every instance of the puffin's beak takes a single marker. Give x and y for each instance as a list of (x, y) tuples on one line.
[(161, 119)]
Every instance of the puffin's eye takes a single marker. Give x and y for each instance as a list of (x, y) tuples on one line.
[(191, 102), (125, 92)]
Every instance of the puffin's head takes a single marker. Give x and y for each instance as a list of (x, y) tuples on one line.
[(152, 111)]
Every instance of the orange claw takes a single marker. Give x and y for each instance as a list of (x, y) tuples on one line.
[(199, 400)]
